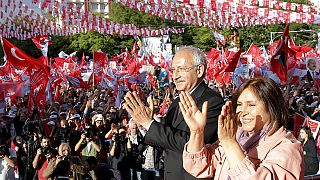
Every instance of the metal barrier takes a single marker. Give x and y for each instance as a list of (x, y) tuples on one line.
[(310, 177)]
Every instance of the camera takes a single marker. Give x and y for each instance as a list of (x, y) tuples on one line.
[(119, 137), (88, 134), (87, 131), (45, 151), (140, 159), (65, 158), (30, 127)]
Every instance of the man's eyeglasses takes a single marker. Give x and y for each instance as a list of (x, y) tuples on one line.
[(181, 69)]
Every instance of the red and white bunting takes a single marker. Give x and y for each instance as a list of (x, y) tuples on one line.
[(223, 13), (37, 18)]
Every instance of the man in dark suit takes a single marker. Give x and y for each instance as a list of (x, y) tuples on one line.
[(189, 70), (312, 69)]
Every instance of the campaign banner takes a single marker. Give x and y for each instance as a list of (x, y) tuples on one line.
[(313, 125), (298, 121)]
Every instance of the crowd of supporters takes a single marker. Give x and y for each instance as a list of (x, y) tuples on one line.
[(84, 137), (88, 137)]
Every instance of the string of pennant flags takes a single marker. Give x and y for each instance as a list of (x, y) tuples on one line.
[(220, 14), (27, 19), (270, 4)]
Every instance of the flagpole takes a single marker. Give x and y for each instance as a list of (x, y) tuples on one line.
[(93, 69), (288, 86)]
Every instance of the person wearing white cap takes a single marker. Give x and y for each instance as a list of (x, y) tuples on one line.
[(52, 132), (99, 130), (53, 117), (74, 121)]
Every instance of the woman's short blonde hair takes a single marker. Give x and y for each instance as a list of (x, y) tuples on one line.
[(132, 124), (61, 147)]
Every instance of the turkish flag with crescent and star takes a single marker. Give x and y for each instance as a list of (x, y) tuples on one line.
[(19, 58)]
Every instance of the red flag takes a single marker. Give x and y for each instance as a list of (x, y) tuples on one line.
[(163, 108), (124, 57), (256, 53), (151, 80), (82, 60), (57, 95), (44, 60), (280, 55), (227, 62), (99, 58), (38, 77), (303, 49), (298, 121), (38, 84), (233, 61), (291, 61), (212, 61), (213, 54), (134, 66), (30, 105), (163, 62), (70, 67), (76, 82), (311, 54), (1, 95), (56, 82), (14, 89), (97, 77), (134, 48), (41, 40), (296, 53), (40, 97), (60, 61), (313, 125), (273, 46), (150, 60), (223, 78), (19, 58), (5, 73)]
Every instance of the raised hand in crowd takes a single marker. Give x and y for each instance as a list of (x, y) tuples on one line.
[(113, 130), (195, 119), (139, 112), (89, 102), (315, 112), (94, 100)]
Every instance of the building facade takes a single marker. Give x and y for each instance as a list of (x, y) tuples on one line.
[(94, 6)]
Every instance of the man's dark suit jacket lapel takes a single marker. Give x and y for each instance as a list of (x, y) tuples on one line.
[(196, 94), (171, 112)]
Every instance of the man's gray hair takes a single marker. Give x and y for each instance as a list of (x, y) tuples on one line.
[(198, 56)]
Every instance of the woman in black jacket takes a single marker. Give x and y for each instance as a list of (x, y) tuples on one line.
[(311, 162)]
